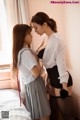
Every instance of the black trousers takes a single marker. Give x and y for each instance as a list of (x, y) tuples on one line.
[(63, 106)]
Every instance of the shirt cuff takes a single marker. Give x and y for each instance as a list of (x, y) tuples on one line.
[(64, 78)]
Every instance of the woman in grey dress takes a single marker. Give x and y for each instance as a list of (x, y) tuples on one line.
[(29, 68)]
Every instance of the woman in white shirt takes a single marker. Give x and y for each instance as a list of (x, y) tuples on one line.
[(54, 60), (29, 68)]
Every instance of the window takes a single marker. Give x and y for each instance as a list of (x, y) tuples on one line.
[(5, 44), (11, 12)]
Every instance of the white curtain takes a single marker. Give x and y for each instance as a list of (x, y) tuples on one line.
[(17, 11), (11, 12)]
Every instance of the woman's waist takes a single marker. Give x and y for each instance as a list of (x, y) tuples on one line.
[(27, 79), (54, 68), (49, 66)]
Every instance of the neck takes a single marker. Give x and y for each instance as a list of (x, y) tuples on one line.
[(25, 45), (49, 32)]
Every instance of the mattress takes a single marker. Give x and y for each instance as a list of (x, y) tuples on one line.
[(10, 108)]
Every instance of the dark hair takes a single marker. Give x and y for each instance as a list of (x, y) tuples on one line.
[(42, 17), (19, 33)]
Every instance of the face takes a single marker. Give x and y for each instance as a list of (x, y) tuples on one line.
[(39, 29), (28, 38)]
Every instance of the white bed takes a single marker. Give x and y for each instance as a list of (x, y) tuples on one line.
[(10, 102)]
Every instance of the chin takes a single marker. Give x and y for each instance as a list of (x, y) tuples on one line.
[(40, 34)]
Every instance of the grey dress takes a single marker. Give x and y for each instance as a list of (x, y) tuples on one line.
[(36, 98)]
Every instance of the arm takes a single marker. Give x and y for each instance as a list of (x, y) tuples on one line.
[(36, 70), (32, 63), (61, 63)]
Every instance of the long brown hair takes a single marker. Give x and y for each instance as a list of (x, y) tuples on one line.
[(19, 33)]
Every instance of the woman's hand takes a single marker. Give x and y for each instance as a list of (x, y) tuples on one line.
[(64, 86), (36, 70), (41, 64)]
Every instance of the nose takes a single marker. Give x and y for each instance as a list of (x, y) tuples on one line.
[(31, 36)]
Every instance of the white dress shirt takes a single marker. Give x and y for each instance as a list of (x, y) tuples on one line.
[(54, 54)]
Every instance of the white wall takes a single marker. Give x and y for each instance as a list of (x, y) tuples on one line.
[(72, 29), (68, 21)]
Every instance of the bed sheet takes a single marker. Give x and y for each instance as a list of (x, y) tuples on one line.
[(10, 108)]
